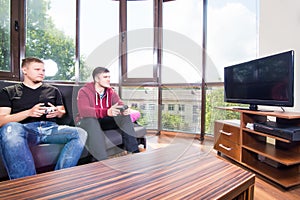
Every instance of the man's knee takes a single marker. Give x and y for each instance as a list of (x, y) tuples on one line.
[(76, 133), (11, 131), (82, 134), (90, 125)]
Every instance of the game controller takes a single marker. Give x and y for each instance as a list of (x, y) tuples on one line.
[(49, 110), (123, 108)]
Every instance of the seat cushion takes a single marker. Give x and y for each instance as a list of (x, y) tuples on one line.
[(140, 131)]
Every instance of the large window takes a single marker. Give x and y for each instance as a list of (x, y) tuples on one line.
[(232, 36), (99, 37), (232, 32), (50, 35), (182, 113), (182, 64), (140, 39), (182, 41), (165, 68)]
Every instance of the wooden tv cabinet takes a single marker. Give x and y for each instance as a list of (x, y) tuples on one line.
[(275, 158)]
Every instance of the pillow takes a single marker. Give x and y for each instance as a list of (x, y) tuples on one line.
[(134, 115)]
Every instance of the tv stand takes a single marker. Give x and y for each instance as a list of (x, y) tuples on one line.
[(276, 158), (244, 108)]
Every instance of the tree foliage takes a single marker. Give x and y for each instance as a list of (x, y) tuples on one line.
[(43, 40), (4, 35), (173, 122), (215, 98), (143, 121)]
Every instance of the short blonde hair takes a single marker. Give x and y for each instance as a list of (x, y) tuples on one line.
[(29, 60)]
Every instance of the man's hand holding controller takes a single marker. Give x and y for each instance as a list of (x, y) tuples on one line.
[(124, 109), (41, 109), (118, 110), (50, 110)]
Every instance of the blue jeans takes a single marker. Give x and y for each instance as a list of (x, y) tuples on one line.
[(15, 139)]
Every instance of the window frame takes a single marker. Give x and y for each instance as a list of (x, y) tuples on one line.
[(125, 80), (17, 41)]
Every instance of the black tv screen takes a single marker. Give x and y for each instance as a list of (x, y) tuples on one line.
[(264, 81)]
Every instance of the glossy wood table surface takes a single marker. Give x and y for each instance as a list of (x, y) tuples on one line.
[(167, 173)]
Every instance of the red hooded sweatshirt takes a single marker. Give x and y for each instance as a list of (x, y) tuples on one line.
[(91, 104)]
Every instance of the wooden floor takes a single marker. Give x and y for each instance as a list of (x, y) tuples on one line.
[(264, 189)]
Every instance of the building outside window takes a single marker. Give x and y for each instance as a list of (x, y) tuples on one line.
[(195, 109), (171, 107), (181, 107)]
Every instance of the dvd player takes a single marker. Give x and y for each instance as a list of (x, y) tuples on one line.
[(289, 132)]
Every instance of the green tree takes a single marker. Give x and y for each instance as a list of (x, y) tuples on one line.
[(215, 98), (46, 41), (143, 121), (171, 121)]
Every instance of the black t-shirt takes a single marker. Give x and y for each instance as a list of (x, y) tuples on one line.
[(19, 97)]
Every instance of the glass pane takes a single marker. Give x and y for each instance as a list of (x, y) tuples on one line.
[(5, 36), (140, 39), (182, 41), (99, 37), (143, 99), (227, 45), (215, 98), (51, 29), (181, 109), (177, 69), (232, 32)]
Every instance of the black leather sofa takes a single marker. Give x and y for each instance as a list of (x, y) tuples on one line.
[(45, 155)]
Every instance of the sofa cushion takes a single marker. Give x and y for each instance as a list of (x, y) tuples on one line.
[(69, 93), (140, 131)]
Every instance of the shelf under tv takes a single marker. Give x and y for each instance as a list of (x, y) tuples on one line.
[(276, 158)]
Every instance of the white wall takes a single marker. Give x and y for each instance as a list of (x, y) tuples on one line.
[(279, 30)]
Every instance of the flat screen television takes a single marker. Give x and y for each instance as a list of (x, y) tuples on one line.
[(264, 81)]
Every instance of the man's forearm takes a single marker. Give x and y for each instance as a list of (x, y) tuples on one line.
[(17, 117)]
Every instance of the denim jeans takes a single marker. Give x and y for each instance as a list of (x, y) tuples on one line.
[(15, 139)]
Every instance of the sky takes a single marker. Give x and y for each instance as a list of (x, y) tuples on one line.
[(231, 27)]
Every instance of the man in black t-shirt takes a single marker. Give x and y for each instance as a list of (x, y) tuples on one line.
[(28, 113)]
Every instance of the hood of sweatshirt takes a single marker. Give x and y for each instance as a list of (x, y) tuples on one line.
[(106, 95), (92, 104)]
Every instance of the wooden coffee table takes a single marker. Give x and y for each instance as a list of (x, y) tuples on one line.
[(167, 173)]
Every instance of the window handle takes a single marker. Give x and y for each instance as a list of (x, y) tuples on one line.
[(16, 26)]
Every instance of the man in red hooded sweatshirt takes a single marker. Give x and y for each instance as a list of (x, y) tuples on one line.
[(99, 109)]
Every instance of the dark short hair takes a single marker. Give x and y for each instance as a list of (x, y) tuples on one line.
[(99, 70), (28, 60)]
